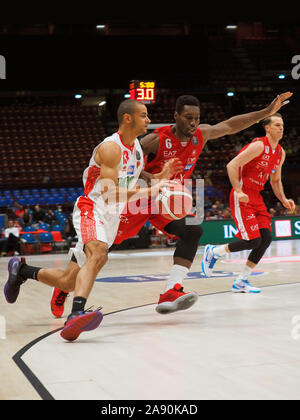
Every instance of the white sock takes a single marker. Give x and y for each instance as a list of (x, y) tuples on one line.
[(220, 251), (245, 273), (177, 275)]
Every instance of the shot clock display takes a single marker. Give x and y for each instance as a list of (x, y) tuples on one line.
[(142, 91)]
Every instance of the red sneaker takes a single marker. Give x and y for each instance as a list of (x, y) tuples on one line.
[(175, 300), (79, 322), (58, 302)]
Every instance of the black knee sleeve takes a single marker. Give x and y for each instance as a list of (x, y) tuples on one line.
[(242, 244), (189, 236), (257, 253)]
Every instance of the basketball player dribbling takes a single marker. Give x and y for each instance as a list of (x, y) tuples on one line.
[(185, 141), (109, 181), (258, 161)]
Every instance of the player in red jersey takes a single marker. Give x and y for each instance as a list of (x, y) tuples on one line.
[(258, 161), (160, 146)]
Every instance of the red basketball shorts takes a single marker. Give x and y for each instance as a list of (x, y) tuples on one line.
[(249, 217), (131, 223)]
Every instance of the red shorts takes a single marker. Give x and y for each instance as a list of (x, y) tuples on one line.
[(131, 223), (249, 217)]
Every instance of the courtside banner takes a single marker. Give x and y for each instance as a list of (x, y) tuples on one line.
[(223, 231)]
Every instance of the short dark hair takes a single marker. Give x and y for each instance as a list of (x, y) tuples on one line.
[(185, 100), (267, 120), (126, 107)]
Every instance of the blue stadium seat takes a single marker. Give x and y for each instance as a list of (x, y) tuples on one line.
[(57, 228), (52, 200), (29, 229), (44, 226), (44, 200), (45, 237), (32, 201), (46, 241), (29, 238), (6, 201)]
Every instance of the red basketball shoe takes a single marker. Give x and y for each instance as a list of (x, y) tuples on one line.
[(58, 302), (175, 300), (79, 322)]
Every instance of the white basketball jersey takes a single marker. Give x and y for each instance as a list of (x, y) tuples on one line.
[(130, 167)]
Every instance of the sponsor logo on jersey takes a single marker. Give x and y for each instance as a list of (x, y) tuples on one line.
[(195, 141), (170, 154), (130, 170), (251, 216), (267, 149), (266, 157), (188, 167), (138, 155), (263, 163)]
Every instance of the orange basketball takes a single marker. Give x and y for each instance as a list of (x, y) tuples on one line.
[(175, 202)]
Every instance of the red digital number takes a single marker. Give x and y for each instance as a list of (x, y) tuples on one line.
[(140, 94), (149, 94)]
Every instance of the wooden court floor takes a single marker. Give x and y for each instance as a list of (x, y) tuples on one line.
[(221, 339)]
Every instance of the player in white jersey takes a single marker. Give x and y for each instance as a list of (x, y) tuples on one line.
[(109, 182), (93, 218)]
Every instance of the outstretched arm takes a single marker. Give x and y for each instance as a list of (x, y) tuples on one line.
[(277, 187), (241, 122)]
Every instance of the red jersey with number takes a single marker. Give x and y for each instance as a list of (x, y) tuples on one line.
[(170, 147), (256, 173)]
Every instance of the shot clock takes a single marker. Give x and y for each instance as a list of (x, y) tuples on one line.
[(143, 91)]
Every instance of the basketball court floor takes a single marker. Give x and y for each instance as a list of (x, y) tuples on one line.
[(227, 346)]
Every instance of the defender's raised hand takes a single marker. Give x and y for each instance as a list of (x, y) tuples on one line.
[(279, 102)]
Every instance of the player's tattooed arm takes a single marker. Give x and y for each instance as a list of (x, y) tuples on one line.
[(241, 122)]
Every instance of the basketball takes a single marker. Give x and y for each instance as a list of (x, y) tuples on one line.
[(175, 202)]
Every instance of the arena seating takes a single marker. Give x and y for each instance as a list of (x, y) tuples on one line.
[(42, 196), (47, 144)]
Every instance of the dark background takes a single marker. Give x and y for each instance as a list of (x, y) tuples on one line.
[(83, 61)]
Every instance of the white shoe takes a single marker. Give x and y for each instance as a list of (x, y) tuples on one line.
[(243, 286), (209, 260)]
